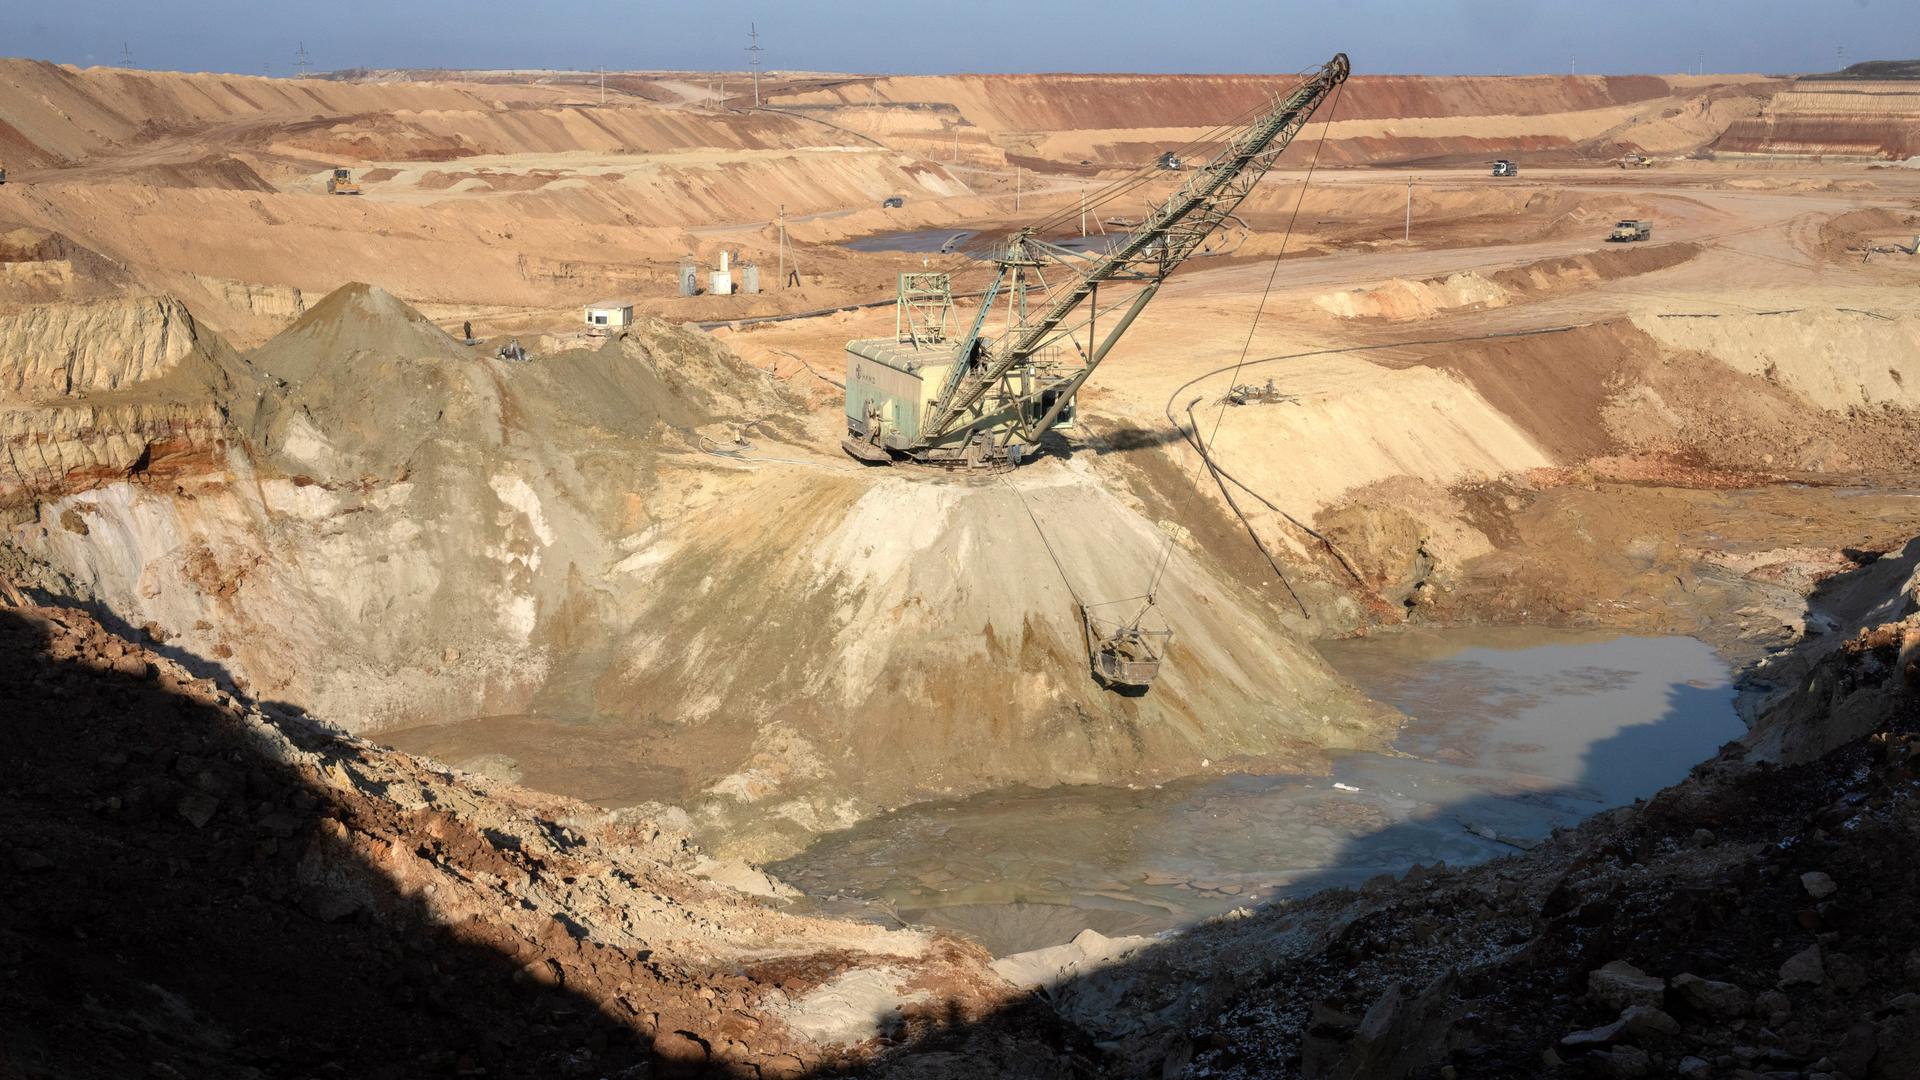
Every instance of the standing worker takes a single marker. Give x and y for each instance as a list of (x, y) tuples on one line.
[(466, 331)]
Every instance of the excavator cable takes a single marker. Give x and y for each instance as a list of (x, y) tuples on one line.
[(1206, 460), (1058, 566)]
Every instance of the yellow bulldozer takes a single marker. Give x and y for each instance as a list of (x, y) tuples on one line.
[(341, 183)]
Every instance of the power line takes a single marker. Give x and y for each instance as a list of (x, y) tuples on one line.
[(753, 60), (301, 61)]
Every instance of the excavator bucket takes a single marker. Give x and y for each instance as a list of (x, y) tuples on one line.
[(1124, 656)]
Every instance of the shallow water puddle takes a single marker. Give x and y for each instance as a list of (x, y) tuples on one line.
[(925, 241), (917, 241), (1510, 733)]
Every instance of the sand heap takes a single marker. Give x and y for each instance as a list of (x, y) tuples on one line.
[(1471, 290), (909, 635)]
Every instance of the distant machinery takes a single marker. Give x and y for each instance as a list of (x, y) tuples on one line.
[(1169, 161), (341, 183), (1635, 161), (1503, 167), (1630, 230)]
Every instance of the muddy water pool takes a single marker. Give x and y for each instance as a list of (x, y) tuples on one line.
[(1510, 733), (928, 241)]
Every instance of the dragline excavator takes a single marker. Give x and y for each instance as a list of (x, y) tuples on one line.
[(985, 396)]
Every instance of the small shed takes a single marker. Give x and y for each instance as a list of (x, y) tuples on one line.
[(608, 315)]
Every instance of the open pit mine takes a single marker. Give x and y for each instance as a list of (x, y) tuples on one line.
[(606, 575)]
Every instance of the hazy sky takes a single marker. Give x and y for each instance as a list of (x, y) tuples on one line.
[(1439, 37)]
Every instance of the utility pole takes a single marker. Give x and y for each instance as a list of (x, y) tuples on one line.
[(1016, 187), (300, 62), (753, 60), (1408, 236), (126, 56), (603, 83), (1083, 209), (789, 263)]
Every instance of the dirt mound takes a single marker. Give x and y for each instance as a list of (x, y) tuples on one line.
[(376, 382), (355, 318), (1471, 290), (1549, 277), (1402, 299), (865, 606)]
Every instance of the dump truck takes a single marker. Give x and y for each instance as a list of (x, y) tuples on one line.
[(341, 183), (1503, 167), (1630, 230)]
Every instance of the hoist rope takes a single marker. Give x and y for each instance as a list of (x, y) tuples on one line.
[(1206, 461)]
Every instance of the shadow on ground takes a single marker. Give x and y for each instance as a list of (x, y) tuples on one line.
[(156, 919)]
